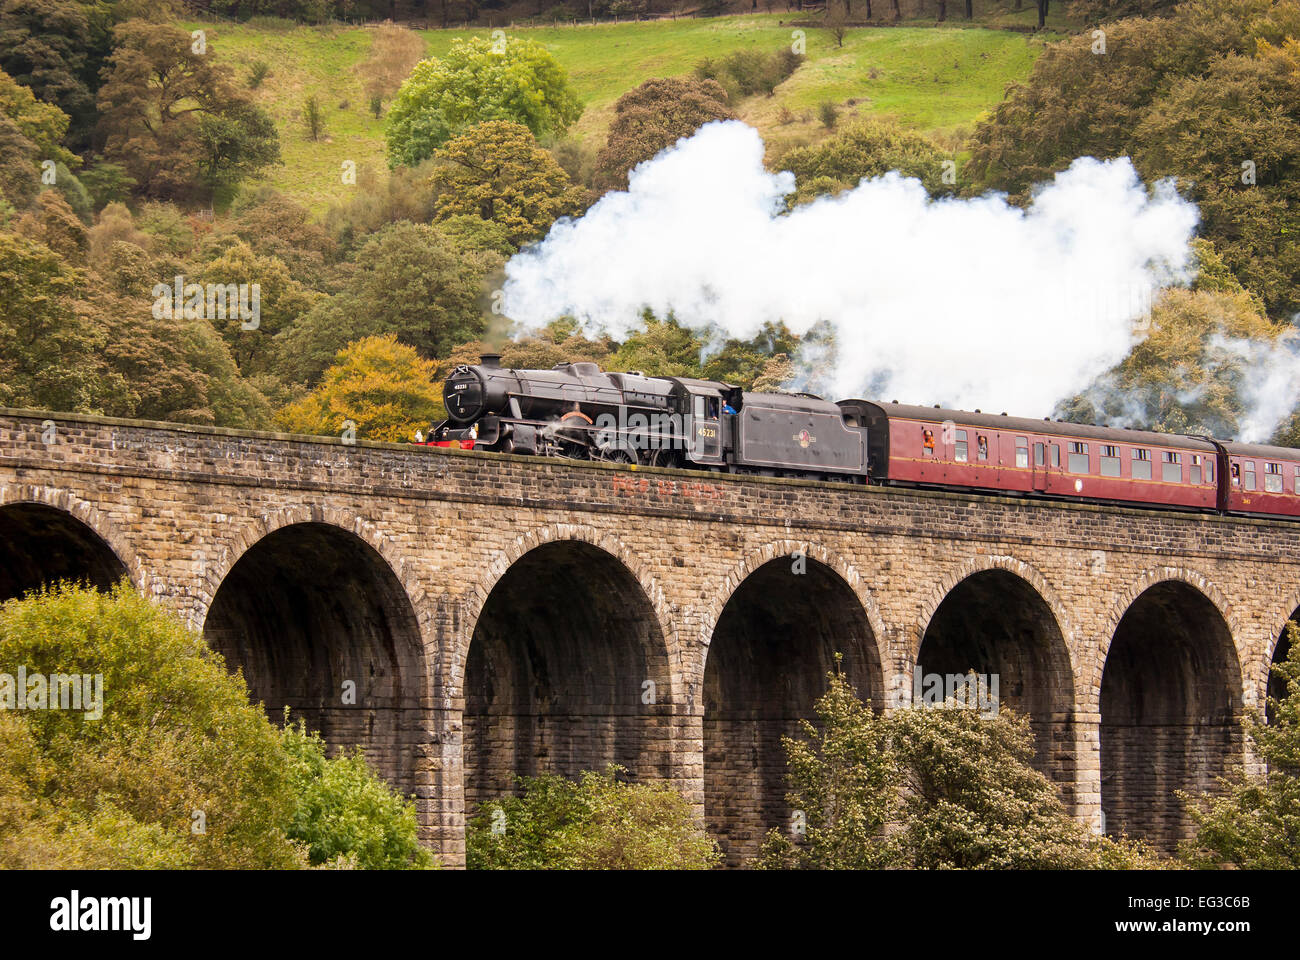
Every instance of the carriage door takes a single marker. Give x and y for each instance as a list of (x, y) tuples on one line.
[(1040, 465), (706, 433)]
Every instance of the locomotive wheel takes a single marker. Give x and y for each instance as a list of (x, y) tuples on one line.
[(666, 458)]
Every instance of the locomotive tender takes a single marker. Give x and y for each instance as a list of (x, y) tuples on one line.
[(578, 411)]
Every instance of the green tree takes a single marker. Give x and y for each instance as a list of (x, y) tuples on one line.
[(46, 45), (497, 172), (595, 823), (174, 367), (744, 362), (1254, 822), (282, 300), (49, 350), (843, 780), (382, 386), (663, 348), (474, 82), (175, 734), (177, 119), (171, 733), (1076, 102), (652, 117), (1232, 137), (409, 280), (928, 788), (44, 124), (343, 812)]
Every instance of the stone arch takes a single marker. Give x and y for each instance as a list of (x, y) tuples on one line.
[(785, 612), (213, 572), (319, 610), (967, 569), (1277, 646), (1000, 617), (476, 599), (1096, 665), (1170, 698), (88, 526), (558, 639), (786, 548)]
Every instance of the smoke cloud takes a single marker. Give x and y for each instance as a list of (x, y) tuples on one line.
[(966, 302)]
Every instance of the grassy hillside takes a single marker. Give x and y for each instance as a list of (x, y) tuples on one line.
[(936, 80)]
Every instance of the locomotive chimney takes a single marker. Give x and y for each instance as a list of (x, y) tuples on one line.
[(489, 359)]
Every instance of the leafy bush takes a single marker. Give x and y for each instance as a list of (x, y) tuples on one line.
[(862, 150), (177, 735), (175, 768), (257, 73), (828, 113), (595, 823), (928, 789), (1252, 825), (748, 72), (343, 812)]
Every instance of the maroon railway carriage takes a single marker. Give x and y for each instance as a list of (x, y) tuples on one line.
[(958, 449), (1262, 480)]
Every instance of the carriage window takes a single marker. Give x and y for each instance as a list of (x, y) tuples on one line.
[(1297, 481), (927, 442), (1109, 461), (1273, 477), (1022, 452), (1171, 468), (1196, 469), (960, 447), (1248, 472), (982, 445), (1056, 454), (1141, 464), (1040, 454), (1078, 458)]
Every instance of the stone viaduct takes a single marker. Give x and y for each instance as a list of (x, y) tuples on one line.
[(499, 616)]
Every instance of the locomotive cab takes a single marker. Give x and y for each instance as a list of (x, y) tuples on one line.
[(700, 403)]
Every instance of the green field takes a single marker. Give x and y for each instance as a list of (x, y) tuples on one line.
[(935, 80)]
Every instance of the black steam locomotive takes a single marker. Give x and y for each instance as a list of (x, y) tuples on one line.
[(578, 411)]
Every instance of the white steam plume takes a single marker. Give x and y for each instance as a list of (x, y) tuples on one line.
[(1271, 388), (970, 303)]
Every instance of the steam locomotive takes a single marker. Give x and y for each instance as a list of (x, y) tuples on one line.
[(578, 411)]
